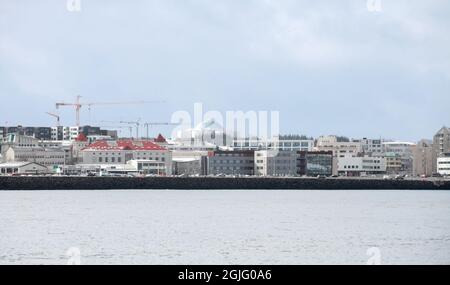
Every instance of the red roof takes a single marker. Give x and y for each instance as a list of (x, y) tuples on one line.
[(123, 145), (81, 138), (160, 139)]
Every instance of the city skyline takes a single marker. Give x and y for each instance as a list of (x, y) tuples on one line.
[(328, 68)]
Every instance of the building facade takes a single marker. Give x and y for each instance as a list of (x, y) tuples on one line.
[(443, 164), (399, 151), (50, 157), (276, 163), (361, 165), (441, 145), (274, 144), (422, 154), (122, 151), (314, 163), (234, 162), (11, 168)]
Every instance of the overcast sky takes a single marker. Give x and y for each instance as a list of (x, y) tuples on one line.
[(328, 67)]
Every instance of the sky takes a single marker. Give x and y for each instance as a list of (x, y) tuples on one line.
[(328, 67)]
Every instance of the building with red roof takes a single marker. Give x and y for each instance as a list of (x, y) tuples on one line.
[(122, 151)]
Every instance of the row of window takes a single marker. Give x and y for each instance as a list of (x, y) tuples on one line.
[(112, 153), (230, 161), (231, 168)]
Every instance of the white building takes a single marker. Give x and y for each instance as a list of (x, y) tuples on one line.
[(122, 151), (359, 166), (276, 163), (10, 168), (443, 165), (65, 133), (339, 148), (273, 144)]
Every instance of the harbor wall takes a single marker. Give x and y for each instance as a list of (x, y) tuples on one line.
[(211, 183)]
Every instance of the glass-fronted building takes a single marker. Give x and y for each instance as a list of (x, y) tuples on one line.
[(314, 163)]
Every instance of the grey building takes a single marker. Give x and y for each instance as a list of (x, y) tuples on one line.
[(41, 133), (423, 158), (276, 163), (234, 162)]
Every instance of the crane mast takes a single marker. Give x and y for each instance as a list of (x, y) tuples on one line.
[(77, 105)]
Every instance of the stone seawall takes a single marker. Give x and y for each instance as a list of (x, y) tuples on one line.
[(97, 183)]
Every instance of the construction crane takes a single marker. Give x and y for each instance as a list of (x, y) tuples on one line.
[(136, 123), (147, 124), (56, 116), (77, 104), (130, 128)]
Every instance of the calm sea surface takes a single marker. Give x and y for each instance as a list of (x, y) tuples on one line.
[(224, 227)]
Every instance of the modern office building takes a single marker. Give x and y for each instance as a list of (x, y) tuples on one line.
[(291, 144), (276, 163), (186, 166), (361, 165), (233, 162), (314, 163)]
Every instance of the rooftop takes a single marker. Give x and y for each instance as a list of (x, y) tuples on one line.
[(123, 145)]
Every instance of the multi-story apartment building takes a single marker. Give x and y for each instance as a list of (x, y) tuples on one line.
[(71, 133), (41, 133), (441, 145), (233, 162), (422, 154), (122, 151), (276, 163), (314, 163)]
